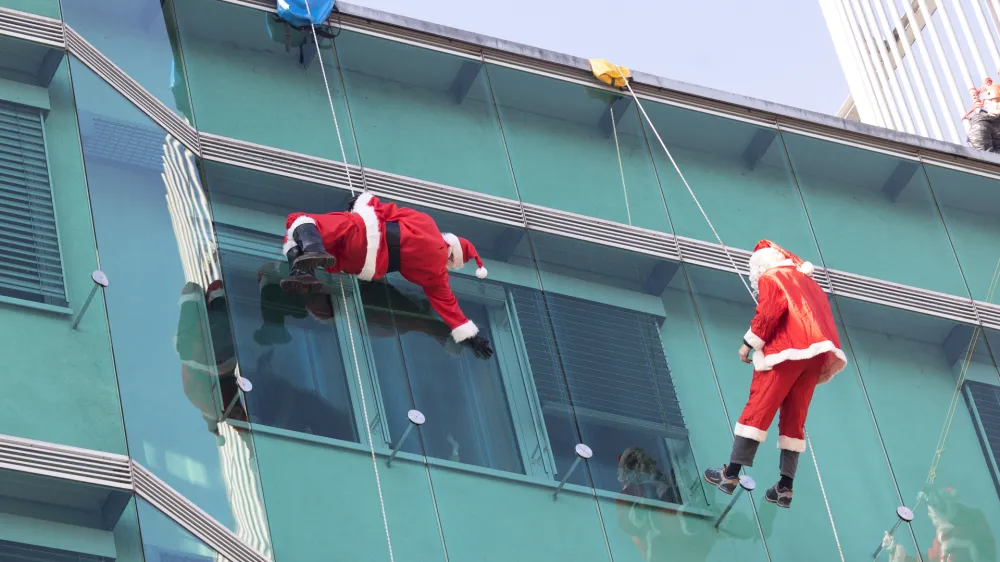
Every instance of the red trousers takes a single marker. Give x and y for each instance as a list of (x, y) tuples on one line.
[(788, 387)]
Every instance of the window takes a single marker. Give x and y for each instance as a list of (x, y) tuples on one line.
[(983, 401), (30, 263)]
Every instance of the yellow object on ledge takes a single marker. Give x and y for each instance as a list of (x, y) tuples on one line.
[(610, 74)]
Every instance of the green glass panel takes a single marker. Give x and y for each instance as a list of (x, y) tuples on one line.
[(164, 539), (424, 114), (47, 8), (638, 374), (968, 205), (854, 196), (171, 330), (563, 152), (918, 374), (247, 85), (140, 38), (739, 173), (55, 374)]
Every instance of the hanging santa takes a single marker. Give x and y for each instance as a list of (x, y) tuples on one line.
[(795, 347), (374, 239)]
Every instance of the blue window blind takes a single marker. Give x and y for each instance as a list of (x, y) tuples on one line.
[(30, 264), (615, 366), (984, 399)]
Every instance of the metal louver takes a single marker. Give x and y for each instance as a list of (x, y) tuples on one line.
[(39, 29), (67, 463), (191, 517), (132, 90)]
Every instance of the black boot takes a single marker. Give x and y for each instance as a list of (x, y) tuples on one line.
[(301, 280), (309, 241)]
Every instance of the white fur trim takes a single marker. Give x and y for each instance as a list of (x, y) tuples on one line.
[(481, 273), (807, 268), (791, 444), (758, 435), (765, 259), (465, 331), (456, 257), (372, 235), (754, 341), (763, 362), (289, 235), (216, 293)]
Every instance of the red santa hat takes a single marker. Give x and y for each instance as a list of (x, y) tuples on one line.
[(461, 251), (767, 254)]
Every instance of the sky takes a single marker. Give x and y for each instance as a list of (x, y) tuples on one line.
[(775, 50)]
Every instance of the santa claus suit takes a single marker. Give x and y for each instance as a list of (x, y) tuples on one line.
[(357, 240), (795, 342)]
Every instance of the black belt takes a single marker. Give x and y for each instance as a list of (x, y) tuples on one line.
[(392, 243)]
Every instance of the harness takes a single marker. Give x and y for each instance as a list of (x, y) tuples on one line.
[(392, 243)]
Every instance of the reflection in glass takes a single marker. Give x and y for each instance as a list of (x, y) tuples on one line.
[(643, 392), (155, 237), (424, 114), (855, 196), (139, 36), (47, 8), (916, 369), (562, 143)]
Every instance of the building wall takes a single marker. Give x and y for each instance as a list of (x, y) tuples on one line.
[(595, 343)]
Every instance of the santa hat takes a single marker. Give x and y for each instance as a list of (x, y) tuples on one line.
[(767, 254), (461, 251)]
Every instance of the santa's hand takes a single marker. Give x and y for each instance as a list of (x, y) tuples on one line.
[(888, 542), (481, 346), (745, 353)]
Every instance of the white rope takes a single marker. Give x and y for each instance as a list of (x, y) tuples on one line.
[(329, 98), (621, 167), (819, 475), (688, 186), (343, 297)]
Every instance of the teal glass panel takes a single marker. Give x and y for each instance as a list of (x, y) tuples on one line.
[(54, 373), (738, 171), (48, 518), (47, 8), (165, 540), (245, 84), (854, 196), (424, 114), (173, 352), (919, 374), (139, 37), (644, 394), (843, 449), (562, 148), (968, 205), (312, 397), (487, 434)]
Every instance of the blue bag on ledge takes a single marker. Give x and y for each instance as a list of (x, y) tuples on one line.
[(296, 14)]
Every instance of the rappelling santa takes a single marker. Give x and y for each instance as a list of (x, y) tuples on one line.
[(374, 239), (795, 346)]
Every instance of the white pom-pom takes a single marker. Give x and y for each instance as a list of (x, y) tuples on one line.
[(481, 273), (807, 268)]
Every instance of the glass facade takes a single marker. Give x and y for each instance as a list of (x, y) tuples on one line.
[(603, 335)]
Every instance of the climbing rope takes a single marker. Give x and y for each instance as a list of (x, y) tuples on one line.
[(732, 262), (343, 297), (621, 167)]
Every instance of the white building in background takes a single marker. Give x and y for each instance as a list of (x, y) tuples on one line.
[(910, 63)]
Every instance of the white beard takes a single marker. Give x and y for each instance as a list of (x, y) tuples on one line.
[(763, 260)]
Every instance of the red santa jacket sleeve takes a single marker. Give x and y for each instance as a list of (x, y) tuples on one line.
[(771, 306), (446, 305)]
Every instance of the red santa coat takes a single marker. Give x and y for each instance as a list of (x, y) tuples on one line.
[(793, 322), (357, 240)]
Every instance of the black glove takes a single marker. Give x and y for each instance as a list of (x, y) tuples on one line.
[(481, 346)]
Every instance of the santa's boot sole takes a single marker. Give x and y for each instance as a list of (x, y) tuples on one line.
[(297, 286), (309, 261)]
